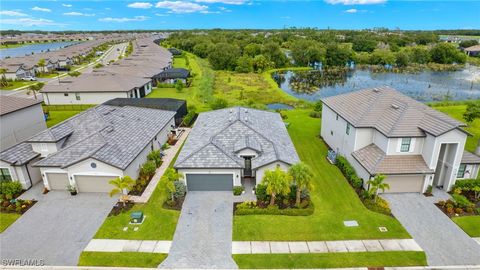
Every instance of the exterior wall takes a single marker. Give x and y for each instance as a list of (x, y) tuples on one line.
[(44, 149), (20, 125), (363, 137), (260, 172), (416, 146), (148, 88), (334, 132), (12, 76), (85, 98), (380, 140), (235, 172), (361, 172)]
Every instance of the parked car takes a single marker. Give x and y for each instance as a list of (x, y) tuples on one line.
[(29, 78)]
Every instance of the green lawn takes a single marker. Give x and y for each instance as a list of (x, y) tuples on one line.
[(17, 84), (7, 219), (48, 75), (59, 116), (331, 260), (470, 224), (121, 259), (334, 199), (456, 111)]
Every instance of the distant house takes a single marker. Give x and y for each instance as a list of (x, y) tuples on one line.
[(16, 71), (173, 75), (381, 131), (89, 149), (20, 118), (175, 51), (473, 50)]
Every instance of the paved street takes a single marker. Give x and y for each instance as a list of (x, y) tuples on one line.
[(441, 239), (203, 238), (57, 228)]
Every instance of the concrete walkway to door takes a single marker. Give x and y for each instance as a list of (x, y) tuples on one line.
[(203, 238), (441, 239)]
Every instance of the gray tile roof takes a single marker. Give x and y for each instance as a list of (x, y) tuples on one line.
[(10, 104), (19, 154), (391, 113), (375, 161), (217, 135), (113, 135), (470, 158)]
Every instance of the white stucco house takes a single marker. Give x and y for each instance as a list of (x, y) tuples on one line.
[(381, 131), (89, 149), (20, 118), (230, 146)]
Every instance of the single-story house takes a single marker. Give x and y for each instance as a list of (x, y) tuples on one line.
[(89, 149), (173, 75), (20, 118), (472, 50), (175, 51), (95, 88), (230, 146), (178, 106), (382, 131)]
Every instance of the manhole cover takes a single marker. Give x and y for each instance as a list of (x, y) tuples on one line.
[(350, 223)]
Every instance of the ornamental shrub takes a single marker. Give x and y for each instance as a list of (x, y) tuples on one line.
[(10, 189), (180, 190), (461, 201), (261, 192), (274, 210), (467, 184), (237, 190)]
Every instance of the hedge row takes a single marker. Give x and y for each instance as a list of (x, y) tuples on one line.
[(349, 172), (467, 184), (276, 211)]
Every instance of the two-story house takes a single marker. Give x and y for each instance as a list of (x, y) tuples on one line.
[(381, 131)]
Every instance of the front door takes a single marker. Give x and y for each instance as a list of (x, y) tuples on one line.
[(248, 167)]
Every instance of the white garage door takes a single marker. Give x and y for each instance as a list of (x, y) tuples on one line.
[(93, 183), (57, 181), (404, 183)]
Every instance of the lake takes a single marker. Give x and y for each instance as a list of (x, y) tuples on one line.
[(423, 86), (34, 48)]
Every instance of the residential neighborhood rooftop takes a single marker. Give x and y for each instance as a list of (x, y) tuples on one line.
[(9, 104)]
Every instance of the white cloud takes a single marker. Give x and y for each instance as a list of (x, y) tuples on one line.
[(41, 9), (29, 22), (181, 7), (286, 17), (122, 20), (161, 15), (12, 13), (73, 13), (66, 5), (228, 2), (352, 10), (355, 2), (143, 5)]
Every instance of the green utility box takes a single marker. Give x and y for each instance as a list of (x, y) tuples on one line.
[(136, 217)]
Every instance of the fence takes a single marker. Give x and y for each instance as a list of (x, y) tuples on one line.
[(67, 107)]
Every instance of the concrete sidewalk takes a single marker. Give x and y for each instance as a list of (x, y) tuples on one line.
[(259, 247)]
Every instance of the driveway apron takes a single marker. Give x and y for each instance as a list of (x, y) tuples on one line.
[(57, 228), (203, 238), (442, 240)]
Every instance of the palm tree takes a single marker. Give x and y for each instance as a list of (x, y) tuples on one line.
[(377, 184), (35, 88), (3, 78), (41, 63), (302, 177), (277, 183), (170, 176), (122, 185)]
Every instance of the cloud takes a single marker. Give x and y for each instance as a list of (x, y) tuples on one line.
[(228, 2), (41, 9), (66, 5), (12, 13), (29, 22), (352, 10), (73, 13), (143, 5), (122, 20), (161, 15), (355, 2), (286, 17), (181, 7)]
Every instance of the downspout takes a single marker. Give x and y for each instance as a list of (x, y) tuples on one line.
[(29, 177)]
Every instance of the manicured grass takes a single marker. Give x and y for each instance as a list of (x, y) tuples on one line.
[(121, 259), (470, 224), (335, 201), (17, 84), (11, 46), (456, 111), (59, 116), (48, 75), (7, 219), (331, 260)]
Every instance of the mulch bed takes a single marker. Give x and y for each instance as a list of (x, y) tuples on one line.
[(119, 208), (444, 210), (138, 189), (177, 205), (8, 207)]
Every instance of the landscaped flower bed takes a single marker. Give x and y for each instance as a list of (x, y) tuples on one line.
[(9, 191), (147, 171), (121, 207), (465, 199)]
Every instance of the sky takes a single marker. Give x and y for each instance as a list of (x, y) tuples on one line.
[(235, 14)]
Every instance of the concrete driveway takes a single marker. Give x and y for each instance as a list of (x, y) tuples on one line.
[(441, 239), (57, 228), (203, 238)]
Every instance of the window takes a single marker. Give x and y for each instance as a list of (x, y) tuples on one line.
[(348, 129), (5, 175), (461, 170), (65, 94), (77, 96), (337, 117), (93, 165), (405, 146), (331, 132)]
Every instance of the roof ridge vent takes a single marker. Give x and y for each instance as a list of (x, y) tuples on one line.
[(395, 106), (376, 90)]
